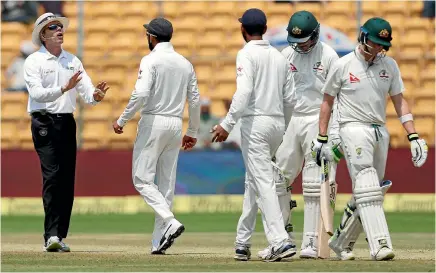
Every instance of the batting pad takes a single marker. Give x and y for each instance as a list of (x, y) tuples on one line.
[(369, 201), (349, 228), (311, 194)]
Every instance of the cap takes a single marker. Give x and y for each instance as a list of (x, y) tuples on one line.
[(253, 17), (378, 30), (160, 27), (301, 26)]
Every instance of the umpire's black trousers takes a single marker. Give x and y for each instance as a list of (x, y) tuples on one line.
[(54, 138)]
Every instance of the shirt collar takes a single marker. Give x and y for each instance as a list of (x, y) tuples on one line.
[(48, 55), (163, 46), (258, 42)]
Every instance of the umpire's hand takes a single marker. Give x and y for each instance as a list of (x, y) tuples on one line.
[(100, 91), (219, 134)]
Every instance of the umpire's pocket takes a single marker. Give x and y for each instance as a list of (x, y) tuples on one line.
[(41, 128)]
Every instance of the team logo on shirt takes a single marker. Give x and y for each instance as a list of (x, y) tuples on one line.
[(318, 68), (43, 132), (239, 71), (383, 75), (293, 68), (353, 79), (359, 152)]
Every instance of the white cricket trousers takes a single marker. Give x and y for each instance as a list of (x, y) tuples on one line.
[(260, 138), (155, 155), (365, 146)]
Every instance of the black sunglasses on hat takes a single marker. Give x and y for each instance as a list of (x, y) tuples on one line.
[(55, 26)]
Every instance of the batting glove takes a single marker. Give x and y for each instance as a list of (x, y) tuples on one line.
[(317, 148), (419, 149)]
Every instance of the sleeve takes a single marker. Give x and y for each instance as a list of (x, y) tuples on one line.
[(397, 85), (288, 96), (85, 88), (33, 80), (244, 88), (141, 93), (194, 105), (333, 83), (331, 61)]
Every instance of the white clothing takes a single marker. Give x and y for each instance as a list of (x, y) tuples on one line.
[(365, 146), (263, 84), (165, 80), (309, 73), (262, 98), (362, 89), (45, 74)]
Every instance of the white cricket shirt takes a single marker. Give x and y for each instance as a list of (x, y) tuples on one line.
[(362, 89), (165, 80), (309, 73), (45, 74), (263, 84)]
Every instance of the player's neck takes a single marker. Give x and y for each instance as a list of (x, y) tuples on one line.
[(254, 38)]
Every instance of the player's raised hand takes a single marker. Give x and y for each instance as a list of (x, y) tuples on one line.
[(188, 142), (219, 134), (419, 149), (72, 82)]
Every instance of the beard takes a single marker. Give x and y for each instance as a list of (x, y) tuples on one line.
[(150, 46), (245, 37)]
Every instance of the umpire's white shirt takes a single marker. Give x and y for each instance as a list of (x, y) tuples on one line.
[(263, 84), (162, 89), (45, 74), (309, 73)]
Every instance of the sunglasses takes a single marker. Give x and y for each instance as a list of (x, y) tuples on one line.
[(149, 34), (55, 26)]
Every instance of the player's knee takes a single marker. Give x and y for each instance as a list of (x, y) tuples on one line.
[(367, 187), (311, 180)]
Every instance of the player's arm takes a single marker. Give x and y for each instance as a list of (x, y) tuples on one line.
[(244, 88), (193, 95), (140, 95), (325, 113), (288, 96), (418, 146)]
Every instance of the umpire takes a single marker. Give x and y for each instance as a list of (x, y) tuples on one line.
[(53, 77)]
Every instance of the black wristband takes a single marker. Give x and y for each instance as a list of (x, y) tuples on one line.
[(412, 136), (322, 139)]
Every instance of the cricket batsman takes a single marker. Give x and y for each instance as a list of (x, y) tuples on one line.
[(361, 82)]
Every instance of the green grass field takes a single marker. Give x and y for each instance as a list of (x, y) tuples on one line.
[(122, 243)]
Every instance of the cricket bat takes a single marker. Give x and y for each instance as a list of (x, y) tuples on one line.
[(327, 206)]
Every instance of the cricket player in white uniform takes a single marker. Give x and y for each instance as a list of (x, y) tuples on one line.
[(165, 80), (262, 99), (310, 61), (361, 81)]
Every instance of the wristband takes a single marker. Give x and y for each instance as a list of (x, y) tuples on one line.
[(322, 139), (406, 118), (412, 136)]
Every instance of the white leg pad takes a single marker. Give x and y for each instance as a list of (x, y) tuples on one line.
[(369, 200), (311, 194)]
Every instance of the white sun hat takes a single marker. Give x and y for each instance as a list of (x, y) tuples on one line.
[(44, 20)]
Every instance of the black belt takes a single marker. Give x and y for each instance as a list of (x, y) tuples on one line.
[(61, 115)]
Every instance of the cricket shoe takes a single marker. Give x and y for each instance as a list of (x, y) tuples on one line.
[(53, 244), (309, 253), (242, 253), (287, 250), (262, 254), (343, 254), (64, 247), (172, 230), (384, 254), (157, 252)]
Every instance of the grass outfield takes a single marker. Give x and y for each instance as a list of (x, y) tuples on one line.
[(122, 242)]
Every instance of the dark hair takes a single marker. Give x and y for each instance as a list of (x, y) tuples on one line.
[(254, 30), (163, 39)]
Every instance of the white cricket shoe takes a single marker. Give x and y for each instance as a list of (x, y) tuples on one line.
[(384, 254), (342, 254), (242, 253), (53, 244), (172, 230), (64, 247), (309, 253)]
